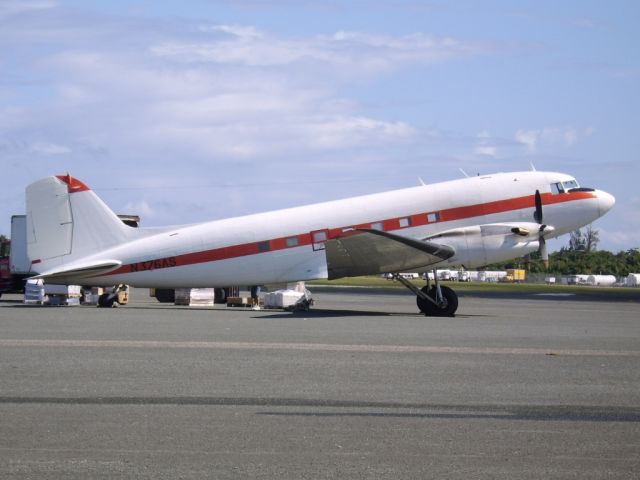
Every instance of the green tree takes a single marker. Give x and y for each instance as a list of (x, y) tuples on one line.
[(591, 238), (576, 241), (584, 241), (4, 246), (572, 262)]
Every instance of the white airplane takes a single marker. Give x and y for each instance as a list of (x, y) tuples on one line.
[(74, 238)]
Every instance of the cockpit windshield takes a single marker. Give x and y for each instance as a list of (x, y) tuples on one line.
[(562, 187)]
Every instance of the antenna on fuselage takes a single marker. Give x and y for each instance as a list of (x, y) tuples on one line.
[(422, 182), (532, 167), (463, 172)]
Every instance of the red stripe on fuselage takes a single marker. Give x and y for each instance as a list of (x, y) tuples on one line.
[(416, 220)]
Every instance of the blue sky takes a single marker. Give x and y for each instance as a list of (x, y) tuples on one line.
[(190, 111)]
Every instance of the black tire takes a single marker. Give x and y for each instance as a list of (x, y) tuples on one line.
[(165, 295), (107, 300), (220, 295), (447, 310)]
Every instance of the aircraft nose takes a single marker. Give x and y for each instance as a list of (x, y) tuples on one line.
[(606, 201)]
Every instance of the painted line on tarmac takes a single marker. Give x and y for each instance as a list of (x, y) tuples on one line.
[(318, 347)]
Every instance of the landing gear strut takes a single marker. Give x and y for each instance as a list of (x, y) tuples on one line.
[(436, 301)]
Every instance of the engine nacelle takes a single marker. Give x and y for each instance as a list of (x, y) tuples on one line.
[(480, 245)]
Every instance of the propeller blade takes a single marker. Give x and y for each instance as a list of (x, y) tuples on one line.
[(544, 254), (537, 215)]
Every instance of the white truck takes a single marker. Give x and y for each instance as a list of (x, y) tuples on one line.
[(19, 263), (14, 263)]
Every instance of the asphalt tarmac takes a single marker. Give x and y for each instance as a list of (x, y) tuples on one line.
[(360, 387)]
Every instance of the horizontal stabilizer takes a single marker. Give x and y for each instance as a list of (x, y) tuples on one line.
[(80, 270), (370, 252)]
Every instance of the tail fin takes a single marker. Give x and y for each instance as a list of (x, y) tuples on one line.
[(66, 221)]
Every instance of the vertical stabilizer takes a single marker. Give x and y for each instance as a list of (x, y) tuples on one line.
[(67, 221)]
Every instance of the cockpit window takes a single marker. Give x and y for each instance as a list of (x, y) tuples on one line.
[(562, 187), (557, 188), (570, 184)]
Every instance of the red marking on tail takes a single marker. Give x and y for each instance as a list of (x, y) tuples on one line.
[(73, 184)]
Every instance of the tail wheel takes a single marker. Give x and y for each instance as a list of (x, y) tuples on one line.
[(446, 309), (107, 300)]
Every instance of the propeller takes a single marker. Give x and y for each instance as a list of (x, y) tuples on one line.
[(537, 215)]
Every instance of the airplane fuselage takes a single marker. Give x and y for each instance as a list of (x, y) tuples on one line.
[(288, 245)]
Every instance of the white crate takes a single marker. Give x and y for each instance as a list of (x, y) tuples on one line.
[(194, 297), (282, 298), (34, 292), (70, 290)]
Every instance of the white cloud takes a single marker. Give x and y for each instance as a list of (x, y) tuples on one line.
[(13, 7), (46, 148), (528, 138), (487, 150), (212, 111), (565, 136), (141, 208), (242, 31), (341, 132), (354, 51), (485, 145), (212, 94)]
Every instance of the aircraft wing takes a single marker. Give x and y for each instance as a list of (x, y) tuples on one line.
[(369, 252)]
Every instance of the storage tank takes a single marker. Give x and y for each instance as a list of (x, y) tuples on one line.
[(493, 275), (633, 280), (601, 280), (474, 276), (577, 279)]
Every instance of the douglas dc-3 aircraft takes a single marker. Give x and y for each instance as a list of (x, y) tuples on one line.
[(74, 238)]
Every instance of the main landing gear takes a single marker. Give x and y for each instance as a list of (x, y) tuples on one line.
[(436, 300)]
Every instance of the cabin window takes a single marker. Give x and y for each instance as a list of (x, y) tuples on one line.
[(264, 246), (292, 242), (433, 217), (319, 236), (377, 226), (405, 222)]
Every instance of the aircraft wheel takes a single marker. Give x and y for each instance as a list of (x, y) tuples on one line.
[(447, 310), (165, 295), (220, 295)]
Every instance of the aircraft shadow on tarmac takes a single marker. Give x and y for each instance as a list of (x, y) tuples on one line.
[(352, 313), (354, 408), (323, 313), (264, 314), (551, 414)]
